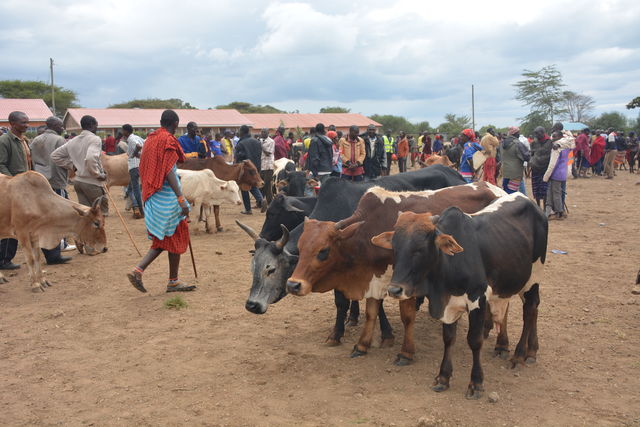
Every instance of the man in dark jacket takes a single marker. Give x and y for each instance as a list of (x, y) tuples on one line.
[(320, 154), (249, 148), (376, 160)]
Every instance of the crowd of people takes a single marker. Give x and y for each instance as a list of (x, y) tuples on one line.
[(155, 191)]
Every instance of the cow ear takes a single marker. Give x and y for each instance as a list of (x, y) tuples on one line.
[(447, 244), (434, 219), (82, 210), (383, 240), (349, 231)]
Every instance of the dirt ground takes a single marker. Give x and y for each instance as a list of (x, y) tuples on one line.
[(91, 350)]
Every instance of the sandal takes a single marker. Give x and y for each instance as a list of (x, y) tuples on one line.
[(136, 280), (180, 287)]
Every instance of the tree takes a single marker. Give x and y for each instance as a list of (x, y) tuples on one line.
[(635, 102), (31, 89), (454, 125), (541, 91), (532, 121), (393, 124), (335, 110), (248, 108), (422, 127), (171, 103), (613, 119), (577, 106)]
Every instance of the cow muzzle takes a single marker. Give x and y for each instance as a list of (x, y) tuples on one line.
[(298, 287), (397, 291), (256, 307)]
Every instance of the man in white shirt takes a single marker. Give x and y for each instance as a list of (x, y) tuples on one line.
[(266, 165), (134, 149)]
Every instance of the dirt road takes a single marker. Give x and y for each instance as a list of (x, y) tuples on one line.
[(94, 351)]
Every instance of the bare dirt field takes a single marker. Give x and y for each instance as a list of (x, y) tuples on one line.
[(92, 350)]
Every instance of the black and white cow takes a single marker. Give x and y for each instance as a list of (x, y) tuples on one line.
[(461, 262), (274, 262)]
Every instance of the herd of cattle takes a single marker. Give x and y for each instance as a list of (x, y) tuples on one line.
[(464, 247)]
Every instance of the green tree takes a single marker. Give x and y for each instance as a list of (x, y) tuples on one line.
[(454, 124), (541, 91), (612, 119), (532, 121), (248, 108), (635, 102), (422, 127), (393, 123), (335, 110), (577, 106), (31, 89), (171, 103)]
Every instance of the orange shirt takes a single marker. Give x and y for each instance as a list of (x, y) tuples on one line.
[(403, 148)]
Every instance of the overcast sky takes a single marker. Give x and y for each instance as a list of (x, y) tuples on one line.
[(412, 58)]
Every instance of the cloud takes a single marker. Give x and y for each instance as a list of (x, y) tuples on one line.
[(402, 57)]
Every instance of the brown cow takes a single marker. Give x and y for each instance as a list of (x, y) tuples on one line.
[(244, 174), (117, 169), (32, 213), (436, 160), (341, 256)]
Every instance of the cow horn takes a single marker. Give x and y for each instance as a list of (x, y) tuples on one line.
[(284, 239), (248, 230), (289, 207)]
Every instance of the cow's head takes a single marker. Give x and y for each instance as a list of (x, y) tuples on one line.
[(270, 266), (417, 245), (280, 212), (231, 192), (319, 251), (91, 228), (249, 176)]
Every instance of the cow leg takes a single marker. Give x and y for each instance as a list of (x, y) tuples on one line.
[(342, 306), (372, 309), (474, 339), (216, 213), (36, 286), (408, 316), (527, 347), (354, 313), (441, 382), (386, 331), (502, 341), (37, 264), (201, 218)]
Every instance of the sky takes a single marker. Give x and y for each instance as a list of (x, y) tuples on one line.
[(412, 58)]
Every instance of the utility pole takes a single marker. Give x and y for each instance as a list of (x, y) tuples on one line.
[(473, 110), (53, 94)]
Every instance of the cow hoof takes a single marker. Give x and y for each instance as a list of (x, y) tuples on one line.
[(357, 353), (439, 386), (332, 342), (219, 229), (387, 342), (474, 392), (516, 362), (530, 360), (351, 322), (37, 288), (3, 280), (46, 284), (501, 353), (402, 360)]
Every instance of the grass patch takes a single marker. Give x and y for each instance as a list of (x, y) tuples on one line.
[(175, 303)]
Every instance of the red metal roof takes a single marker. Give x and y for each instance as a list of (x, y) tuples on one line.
[(149, 118), (36, 109), (291, 121)]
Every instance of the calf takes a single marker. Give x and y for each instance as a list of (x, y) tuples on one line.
[(436, 160), (244, 174), (462, 262), (341, 256), (296, 184), (204, 189), (35, 215)]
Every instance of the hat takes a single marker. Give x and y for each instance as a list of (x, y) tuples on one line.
[(513, 130), (469, 133), (332, 134)]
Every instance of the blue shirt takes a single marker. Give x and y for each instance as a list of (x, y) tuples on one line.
[(189, 145), (469, 150), (437, 145), (214, 146)]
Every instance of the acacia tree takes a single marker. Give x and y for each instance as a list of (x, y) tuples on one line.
[(30, 89), (541, 91), (171, 103), (635, 102), (454, 124), (335, 110), (248, 108), (577, 106)]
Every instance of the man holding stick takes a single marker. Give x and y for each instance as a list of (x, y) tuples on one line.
[(166, 210)]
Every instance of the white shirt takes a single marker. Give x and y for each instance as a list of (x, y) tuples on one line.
[(133, 141)]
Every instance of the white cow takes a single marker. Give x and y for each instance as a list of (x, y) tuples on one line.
[(204, 189)]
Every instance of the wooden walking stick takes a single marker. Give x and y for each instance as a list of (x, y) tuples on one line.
[(193, 260), (106, 189)]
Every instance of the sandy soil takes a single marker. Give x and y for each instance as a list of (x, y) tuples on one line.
[(94, 351)]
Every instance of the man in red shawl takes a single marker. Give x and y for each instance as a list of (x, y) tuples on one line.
[(597, 153), (166, 210)]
